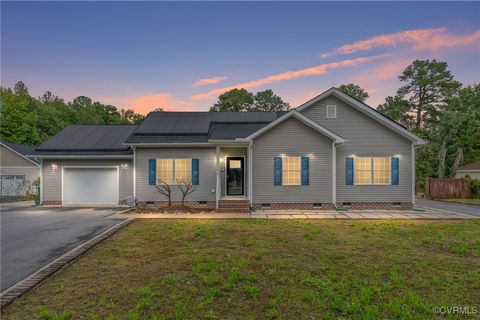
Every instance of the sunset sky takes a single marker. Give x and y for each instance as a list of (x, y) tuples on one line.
[(181, 56)]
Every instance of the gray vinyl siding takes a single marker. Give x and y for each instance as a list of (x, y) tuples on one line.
[(292, 138), (52, 179), (233, 152), (365, 137), (8, 158), (207, 158), (30, 173)]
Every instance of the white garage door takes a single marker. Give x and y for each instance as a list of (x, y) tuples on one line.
[(90, 186)]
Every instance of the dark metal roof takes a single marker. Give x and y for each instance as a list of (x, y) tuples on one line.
[(89, 138), (471, 166), (231, 131), (197, 123)]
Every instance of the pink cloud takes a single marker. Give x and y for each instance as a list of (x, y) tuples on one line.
[(317, 70), (209, 81), (145, 103), (421, 39)]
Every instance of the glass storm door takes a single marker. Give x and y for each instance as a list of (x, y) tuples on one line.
[(235, 176)]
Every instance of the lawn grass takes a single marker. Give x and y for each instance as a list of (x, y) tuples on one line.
[(263, 269), (467, 201)]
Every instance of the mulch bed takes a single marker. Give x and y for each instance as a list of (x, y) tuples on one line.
[(174, 210)]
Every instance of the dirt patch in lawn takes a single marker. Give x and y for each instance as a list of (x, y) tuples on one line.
[(261, 269)]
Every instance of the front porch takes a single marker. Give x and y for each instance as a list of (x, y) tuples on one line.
[(233, 177)]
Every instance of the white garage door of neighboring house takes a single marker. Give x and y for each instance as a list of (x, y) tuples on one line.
[(90, 186)]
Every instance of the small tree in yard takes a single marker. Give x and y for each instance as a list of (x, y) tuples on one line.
[(164, 188), (186, 187)]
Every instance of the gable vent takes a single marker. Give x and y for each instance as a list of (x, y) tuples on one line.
[(331, 112)]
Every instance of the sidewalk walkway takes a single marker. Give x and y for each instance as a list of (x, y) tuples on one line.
[(422, 213)]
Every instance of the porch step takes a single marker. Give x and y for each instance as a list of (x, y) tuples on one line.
[(233, 205), (230, 210)]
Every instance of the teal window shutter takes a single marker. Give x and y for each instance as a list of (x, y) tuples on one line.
[(277, 171), (395, 167), (349, 174), (195, 172), (152, 172), (305, 171)]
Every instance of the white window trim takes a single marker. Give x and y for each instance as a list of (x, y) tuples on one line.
[(174, 183), (334, 109), (372, 172), (299, 172)]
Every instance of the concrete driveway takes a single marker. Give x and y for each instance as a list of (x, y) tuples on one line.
[(450, 206), (33, 236)]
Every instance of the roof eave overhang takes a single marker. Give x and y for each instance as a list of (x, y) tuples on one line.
[(83, 156), (153, 145)]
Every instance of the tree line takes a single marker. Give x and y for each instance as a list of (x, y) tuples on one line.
[(28, 120)]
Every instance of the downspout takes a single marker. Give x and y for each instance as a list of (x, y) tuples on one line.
[(41, 181), (334, 175), (413, 174), (134, 173)]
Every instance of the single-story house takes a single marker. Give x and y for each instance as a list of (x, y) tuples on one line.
[(332, 151), (470, 169), (18, 172)]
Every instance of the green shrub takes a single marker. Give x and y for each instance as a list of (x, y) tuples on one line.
[(475, 188)]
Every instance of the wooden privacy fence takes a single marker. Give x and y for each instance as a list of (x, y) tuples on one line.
[(443, 188)]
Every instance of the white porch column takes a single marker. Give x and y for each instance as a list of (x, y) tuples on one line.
[(334, 174), (250, 172), (218, 191)]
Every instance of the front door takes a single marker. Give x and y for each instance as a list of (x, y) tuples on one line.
[(235, 176)]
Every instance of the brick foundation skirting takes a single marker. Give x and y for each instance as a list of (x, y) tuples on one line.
[(52, 203), (294, 206), (191, 204), (376, 205)]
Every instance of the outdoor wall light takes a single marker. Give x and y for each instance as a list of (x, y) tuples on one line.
[(54, 167), (124, 166)]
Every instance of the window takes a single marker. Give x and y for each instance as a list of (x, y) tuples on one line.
[(174, 171), (372, 170), (363, 170), (381, 170), (165, 171), (183, 170), (291, 171), (331, 112)]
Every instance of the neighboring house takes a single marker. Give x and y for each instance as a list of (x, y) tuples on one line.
[(469, 169), (17, 171), (332, 151)]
